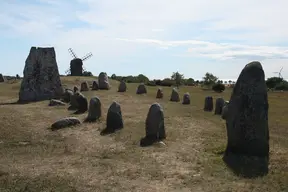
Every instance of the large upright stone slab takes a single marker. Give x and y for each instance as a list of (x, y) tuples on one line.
[(2, 78), (41, 80), (103, 81), (247, 123), (122, 87), (154, 126), (219, 104), (95, 110), (175, 95)]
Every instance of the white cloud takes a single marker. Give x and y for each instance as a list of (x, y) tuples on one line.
[(110, 26)]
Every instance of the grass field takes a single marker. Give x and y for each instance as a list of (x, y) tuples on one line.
[(34, 158)]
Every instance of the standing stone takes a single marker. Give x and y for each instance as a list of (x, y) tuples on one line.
[(2, 78), (103, 81), (75, 89), (73, 102), (94, 112), (84, 86), (155, 129), (114, 120), (159, 94), (95, 86), (208, 104), (247, 123), (41, 80), (141, 89), (67, 95), (122, 87), (219, 106), (82, 103), (225, 110), (186, 99), (175, 95)]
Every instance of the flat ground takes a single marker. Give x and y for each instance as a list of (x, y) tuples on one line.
[(34, 158)]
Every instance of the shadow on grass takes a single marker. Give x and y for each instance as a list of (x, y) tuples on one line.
[(18, 102), (246, 166), (108, 131)]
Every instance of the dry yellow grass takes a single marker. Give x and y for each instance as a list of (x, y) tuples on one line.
[(34, 158)]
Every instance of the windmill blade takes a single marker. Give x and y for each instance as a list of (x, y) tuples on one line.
[(87, 56), (72, 53), (280, 70)]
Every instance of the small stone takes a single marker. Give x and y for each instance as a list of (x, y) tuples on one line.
[(122, 87), (154, 126), (175, 95), (95, 86), (219, 104), (94, 110), (65, 122), (159, 94), (225, 110), (84, 86), (208, 104), (67, 95), (75, 89), (186, 99), (55, 102), (141, 89)]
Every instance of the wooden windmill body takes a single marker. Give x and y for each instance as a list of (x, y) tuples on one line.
[(76, 64)]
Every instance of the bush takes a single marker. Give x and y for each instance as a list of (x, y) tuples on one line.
[(218, 87), (167, 82), (151, 83), (282, 86)]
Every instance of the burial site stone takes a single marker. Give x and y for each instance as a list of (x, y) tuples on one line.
[(65, 122), (82, 103), (122, 87), (2, 78), (186, 99), (175, 95), (103, 81), (208, 103), (41, 80), (114, 120), (225, 110), (67, 95), (247, 122), (84, 86), (159, 94), (154, 126), (95, 86), (94, 112), (55, 102), (75, 89), (141, 89), (219, 106)]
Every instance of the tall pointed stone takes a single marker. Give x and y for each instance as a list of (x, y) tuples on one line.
[(41, 79), (247, 123)]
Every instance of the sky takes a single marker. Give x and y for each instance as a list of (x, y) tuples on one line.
[(151, 37)]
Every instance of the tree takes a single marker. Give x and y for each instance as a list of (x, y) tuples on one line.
[(177, 77), (209, 79), (273, 81), (282, 86), (142, 78), (87, 73), (113, 76), (190, 82), (218, 87)]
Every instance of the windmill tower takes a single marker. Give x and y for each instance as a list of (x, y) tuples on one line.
[(76, 64), (279, 73)]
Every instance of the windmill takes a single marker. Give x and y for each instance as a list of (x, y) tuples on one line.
[(76, 64), (279, 73)]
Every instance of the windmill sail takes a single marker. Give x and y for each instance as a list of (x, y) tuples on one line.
[(87, 56), (72, 53)]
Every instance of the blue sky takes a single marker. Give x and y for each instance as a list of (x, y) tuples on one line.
[(151, 37)]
